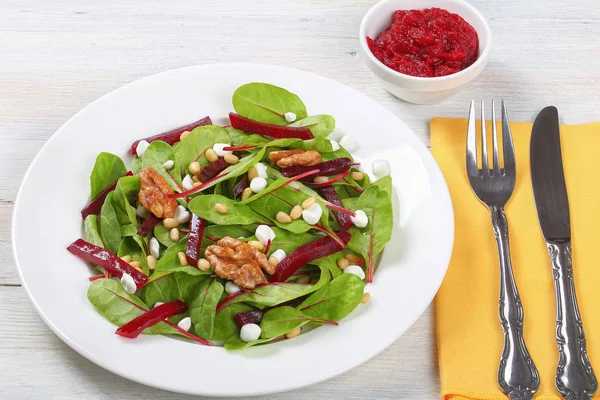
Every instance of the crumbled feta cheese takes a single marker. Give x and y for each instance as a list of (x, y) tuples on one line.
[(128, 283), (158, 303), (290, 116), (279, 254), (218, 148), (250, 332), (261, 169), (264, 233), (187, 182), (258, 184), (349, 143), (231, 288), (185, 323), (181, 215), (169, 164), (313, 214), (334, 145), (381, 168), (154, 248), (141, 148), (356, 270), (360, 219)]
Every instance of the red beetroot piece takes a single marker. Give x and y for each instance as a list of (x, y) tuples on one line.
[(107, 260), (331, 195), (133, 328), (274, 131), (192, 250), (306, 253), (171, 137), (94, 206), (149, 223), (240, 186), (212, 170), (327, 168)]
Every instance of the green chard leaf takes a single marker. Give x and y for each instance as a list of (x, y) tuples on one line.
[(281, 320), (267, 103), (135, 165), (192, 148), (203, 305), (110, 228), (335, 300), (235, 343), (156, 155), (92, 234), (134, 246), (238, 214), (238, 169), (289, 241), (173, 285), (225, 325), (385, 183), (119, 307), (320, 125), (107, 169)]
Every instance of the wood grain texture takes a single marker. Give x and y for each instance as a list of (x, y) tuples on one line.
[(59, 55)]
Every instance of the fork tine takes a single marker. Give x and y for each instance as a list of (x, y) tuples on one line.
[(507, 141), (472, 143), (485, 169), (495, 141)]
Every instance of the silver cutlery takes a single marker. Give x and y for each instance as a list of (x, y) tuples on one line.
[(575, 379), (517, 375)]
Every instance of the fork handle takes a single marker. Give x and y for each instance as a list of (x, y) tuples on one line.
[(575, 379), (517, 375)]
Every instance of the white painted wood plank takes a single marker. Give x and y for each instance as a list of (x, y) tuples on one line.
[(35, 364)]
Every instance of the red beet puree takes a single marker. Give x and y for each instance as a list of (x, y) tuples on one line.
[(426, 43)]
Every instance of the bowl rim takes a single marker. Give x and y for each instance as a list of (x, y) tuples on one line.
[(480, 59)]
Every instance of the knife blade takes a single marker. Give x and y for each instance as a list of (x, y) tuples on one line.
[(575, 378)]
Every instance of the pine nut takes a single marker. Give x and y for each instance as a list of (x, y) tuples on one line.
[(343, 263), (358, 176), (252, 173), (174, 234), (273, 261), (308, 203), (170, 223), (293, 333), (304, 279), (365, 298), (184, 135), (283, 217), (196, 184), (151, 261), (246, 193), (257, 245), (126, 258), (211, 155), (221, 208), (137, 265), (296, 212), (321, 179), (194, 168), (203, 264), (354, 259), (195, 179), (231, 159), (182, 259)]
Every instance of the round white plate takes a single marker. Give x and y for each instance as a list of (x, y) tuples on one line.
[(47, 218)]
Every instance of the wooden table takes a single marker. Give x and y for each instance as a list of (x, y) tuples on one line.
[(58, 56)]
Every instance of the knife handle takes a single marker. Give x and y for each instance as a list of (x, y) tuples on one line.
[(517, 375), (575, 378)]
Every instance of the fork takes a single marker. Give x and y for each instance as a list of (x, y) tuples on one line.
[(517, 375)]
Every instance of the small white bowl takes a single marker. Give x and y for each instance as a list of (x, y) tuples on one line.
[(414, 89)]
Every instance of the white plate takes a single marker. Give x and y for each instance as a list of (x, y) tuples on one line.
[(46, 219)]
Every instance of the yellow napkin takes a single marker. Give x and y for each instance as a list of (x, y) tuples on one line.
[(468, 329)]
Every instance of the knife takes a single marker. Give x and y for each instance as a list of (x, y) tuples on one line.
[(575, 379)]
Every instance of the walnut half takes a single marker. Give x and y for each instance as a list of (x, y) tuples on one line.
[(288, 158), (239, 262), (153, 193)]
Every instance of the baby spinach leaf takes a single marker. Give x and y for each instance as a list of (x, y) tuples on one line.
[(135, 165), (171, 286), (225, 325), (335, 300), (288, 241), (320, 125), (238, 169), (169, 261), (107, 169), (267, 103), (192, 148), (238, 214), (110, 229), (203, 305), (92, 234), (134, 246), (156, 155), (119, 307), (240, 138), (385, 183), (235, 231), (320, 145), (235, 343), (162, 234), (370, 240), (281, 320), (330, 262)]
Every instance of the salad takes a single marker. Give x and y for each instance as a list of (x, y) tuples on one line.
[(241, 235)]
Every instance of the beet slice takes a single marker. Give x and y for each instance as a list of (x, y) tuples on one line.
[(331, 196), (212, 170), (327, 168), (94, 206), (171, 137), (306, 253), (192, 250), (149, 223), (274, 131), (239, 187), (133, 328), (107, 260)]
